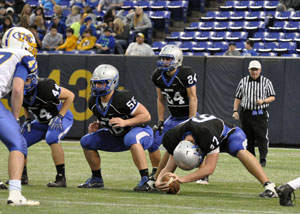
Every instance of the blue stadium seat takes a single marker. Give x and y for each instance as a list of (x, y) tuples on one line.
[(194, 26), (229, 5), (257, 5), (188, 36), (218, 47), (127, 5), (268, 47), (48, 14), (206, 26), (255, 16), (291, 27), (242, 5), (202, 46), (157, 45), (201, 54), (254, 26), (204, 35), (65, 4), (259, 36), (270, 5), (210, 16), (174, 36), (188, 46), (295, 16), (289, 37), (33, 3), (160, 19), (219, 36), (274, 36), (237, 26), (236, 36), (237, 15), (240, 46), (278, 26), (285, 47), (258, 45), (143, 4), (282, 16), (158, 5), (178, 10), (221, 26), (224, 15)]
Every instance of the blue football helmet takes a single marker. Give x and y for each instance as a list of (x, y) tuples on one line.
[(32, 85), (175, 56), (107, 76)]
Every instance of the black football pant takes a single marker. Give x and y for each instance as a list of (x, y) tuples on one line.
[(256, 130)]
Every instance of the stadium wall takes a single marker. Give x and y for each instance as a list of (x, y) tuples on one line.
[(218, 78)]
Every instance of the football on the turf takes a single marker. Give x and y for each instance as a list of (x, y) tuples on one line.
[(173, 185)]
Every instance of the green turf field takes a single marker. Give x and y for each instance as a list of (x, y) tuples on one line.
[(231, 190)]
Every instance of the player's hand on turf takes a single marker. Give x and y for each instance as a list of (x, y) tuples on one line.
[(2, 185), (56, 123), (26, 126), (159, 127), (117, 122), (93, 127)]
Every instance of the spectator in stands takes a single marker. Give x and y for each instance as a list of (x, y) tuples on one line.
[(70, 43), (38, 36), (232, 50), (6, 25), (139, 48), (88, 25), (89, 11), (18, 7), (39, 11), (76, 25), (78, 3), (61, 27), (121, 34), (26, 10), (41, 28), (139, 21), (74, 16), (52, 40), (106, 43), (288, 5), (88, 42), (48, 4), (11, 12), (109, 17), (249, 49), (92, 3), (59, 13), (24, 22), (106, 4)]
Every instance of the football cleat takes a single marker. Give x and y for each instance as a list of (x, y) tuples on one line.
[(146, 187), (285, 195), (203, 180), (2, 185), (142, 184), (263, 162), (16, 199), (60, 181), (270, 191), (24, 179), (92, 182)]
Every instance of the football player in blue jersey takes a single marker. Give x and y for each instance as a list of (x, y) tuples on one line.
[(53, 120), (176, 84), (204, 137), (17, 61), (120, 126)]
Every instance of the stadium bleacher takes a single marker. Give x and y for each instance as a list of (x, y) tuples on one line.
[(274, 33)]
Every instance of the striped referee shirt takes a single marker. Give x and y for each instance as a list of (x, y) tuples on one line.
[(249, 91)]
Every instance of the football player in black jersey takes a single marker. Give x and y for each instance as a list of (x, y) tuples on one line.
[(176, 84), (53, 120), (120, 125), (205, 136)]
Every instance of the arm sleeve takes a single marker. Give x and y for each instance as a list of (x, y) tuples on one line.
[(21, 72)]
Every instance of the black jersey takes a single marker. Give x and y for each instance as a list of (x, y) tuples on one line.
[(208, 131), (43, 101), (122, 104), (174, 89)]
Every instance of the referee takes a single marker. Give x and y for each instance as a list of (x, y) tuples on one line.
[(254, 93)]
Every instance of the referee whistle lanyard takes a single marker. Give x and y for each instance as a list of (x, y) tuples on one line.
[(168, 84)]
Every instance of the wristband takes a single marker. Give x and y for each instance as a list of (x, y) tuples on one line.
[(235, 111)]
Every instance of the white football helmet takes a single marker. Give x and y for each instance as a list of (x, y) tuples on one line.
[(108, 76), (187, 155), (20, 38), (170, 52)]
